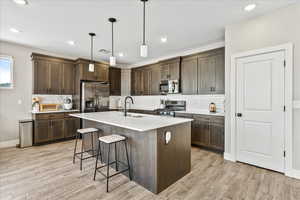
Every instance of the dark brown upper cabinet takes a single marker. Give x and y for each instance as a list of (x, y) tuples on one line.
[(189, 67), (203, 73), (100, 73), (170, 69), (52, 75), (115, 81)]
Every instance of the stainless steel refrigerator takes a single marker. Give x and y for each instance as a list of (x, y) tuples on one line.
[(94, 96)]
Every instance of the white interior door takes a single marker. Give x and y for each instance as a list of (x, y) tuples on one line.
[(260, 101)]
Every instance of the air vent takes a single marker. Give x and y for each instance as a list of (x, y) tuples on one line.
[(104, 51)]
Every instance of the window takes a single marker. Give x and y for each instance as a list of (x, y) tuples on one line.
[(6, 72)]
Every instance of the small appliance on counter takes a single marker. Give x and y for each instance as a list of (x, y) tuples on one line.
[(67, 103), (212, 107)]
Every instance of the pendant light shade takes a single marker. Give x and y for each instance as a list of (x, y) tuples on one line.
[(112, 59), (144, 50), (144, 47), (92, 63)]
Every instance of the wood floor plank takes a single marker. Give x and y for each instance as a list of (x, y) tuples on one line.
[(47, 172)]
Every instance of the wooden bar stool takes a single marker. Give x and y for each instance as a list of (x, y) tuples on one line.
[(112, 140), (82, 133)]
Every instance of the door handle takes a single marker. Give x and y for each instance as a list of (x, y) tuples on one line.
[(239, 114)]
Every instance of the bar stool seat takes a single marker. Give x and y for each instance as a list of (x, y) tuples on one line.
[(112, 139), (83, 132), (87, 130)]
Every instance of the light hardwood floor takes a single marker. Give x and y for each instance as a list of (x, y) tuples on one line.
[(47, 172)]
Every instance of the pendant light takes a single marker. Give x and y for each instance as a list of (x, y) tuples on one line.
[(112, 59), (144, 47), (92, 63)]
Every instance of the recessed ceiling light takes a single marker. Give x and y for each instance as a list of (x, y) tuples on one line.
[(71, 42), (163, 39), (21, 2), (14, 30), (121, 54), (250, 7)]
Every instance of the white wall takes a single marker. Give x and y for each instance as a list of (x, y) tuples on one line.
[(10, 111), (276, 28)]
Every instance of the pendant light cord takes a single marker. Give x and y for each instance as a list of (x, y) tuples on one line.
[(112, 39), (144, 22), (92, 47)]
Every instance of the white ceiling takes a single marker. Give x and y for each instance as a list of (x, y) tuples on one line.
[(188, 24)]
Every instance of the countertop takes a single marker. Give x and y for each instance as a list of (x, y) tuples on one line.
[(201, 112), (56, 111), (143, 123)]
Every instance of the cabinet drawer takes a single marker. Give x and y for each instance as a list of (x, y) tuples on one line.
[(49, 116), (218, 120)]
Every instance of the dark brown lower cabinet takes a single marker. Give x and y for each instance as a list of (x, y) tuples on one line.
[(70, 127), (42, 132), (57, 128), (207, 131), (52, 127)]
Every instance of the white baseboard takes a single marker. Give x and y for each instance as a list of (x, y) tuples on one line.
[(296, 104), (9, 143), (293, 173), (230, 157)]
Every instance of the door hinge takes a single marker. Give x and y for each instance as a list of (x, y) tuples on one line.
[(284, 153), (284, 108)]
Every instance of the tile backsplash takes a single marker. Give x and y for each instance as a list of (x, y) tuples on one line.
[(55, 99), (193, 102)]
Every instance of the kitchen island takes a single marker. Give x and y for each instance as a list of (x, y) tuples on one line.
[(159, 147)]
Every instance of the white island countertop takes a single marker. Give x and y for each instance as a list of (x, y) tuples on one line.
[(134, 121)]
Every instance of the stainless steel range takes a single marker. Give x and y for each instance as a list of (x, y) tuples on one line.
[(171, 107)]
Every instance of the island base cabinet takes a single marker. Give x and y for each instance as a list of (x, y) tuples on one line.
[(154, 164)]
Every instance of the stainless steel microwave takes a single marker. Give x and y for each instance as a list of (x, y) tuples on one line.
[(169, 87)]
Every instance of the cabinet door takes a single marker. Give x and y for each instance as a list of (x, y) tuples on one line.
[(174, 69), (139, 82), (164, 68), (206, 75), (41, 81), (201, 131), (155, 80), (70, 127), (189, 76), (68, 78), (86, 74), (146, 81), (42, 131), (217, 133), (57, 128), (133, 81), (220, 74), (115, 81), (55, 77), (101, 73)]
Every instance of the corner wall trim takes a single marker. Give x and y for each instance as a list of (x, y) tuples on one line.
[(293, 173), (229, 157), (296, 104), (9, 143)]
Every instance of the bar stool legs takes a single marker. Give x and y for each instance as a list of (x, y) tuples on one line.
[(83, 132), (130, 177), (110, 141)]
